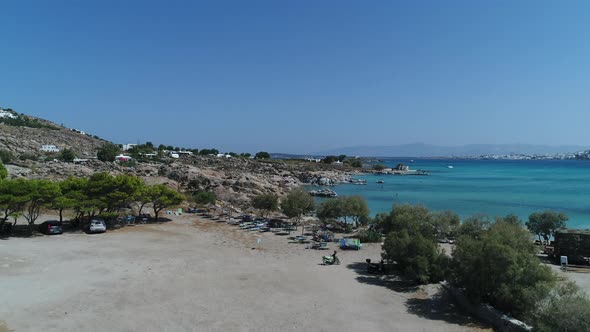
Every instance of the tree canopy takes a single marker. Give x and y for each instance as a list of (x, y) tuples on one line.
[(67, 155), (344, 207), (206, 152), (355, 162), (163, 197), (265, 203), (378, 167), (39, 193), (411, 243), (204, 197), (107, 152), (297, 203), (498, 265), (544, 224), (329, 159), (262, 155)]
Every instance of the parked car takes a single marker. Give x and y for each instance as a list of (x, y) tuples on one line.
[(97, 226), (50, 227)]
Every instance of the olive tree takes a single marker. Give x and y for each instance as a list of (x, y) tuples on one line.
[(297, 203), (265, 203), (544, 224)]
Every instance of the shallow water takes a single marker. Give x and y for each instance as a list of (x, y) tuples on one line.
[(493, 187)]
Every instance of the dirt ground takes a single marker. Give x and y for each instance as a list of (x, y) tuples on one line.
[(197, 275)]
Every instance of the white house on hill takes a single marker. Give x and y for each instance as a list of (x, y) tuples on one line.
[(6, 114), (49, 148), (127, 147), (123, 157)]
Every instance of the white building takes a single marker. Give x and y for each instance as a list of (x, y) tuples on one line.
[(184, 153), (78, 131), (6, 114), (123, 157), (49, 148), (127, 147)]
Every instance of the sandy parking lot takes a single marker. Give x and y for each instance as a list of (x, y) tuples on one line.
[(189, 275)]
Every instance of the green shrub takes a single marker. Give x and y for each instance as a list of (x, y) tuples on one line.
[(498, 265), (67, 155), (28, 156), (6, 156), (379, 167), (417, 255), (204, 197), (3, 172), (411, 242), (24, 121), (262, 155), (566, 308), (107, 152), (369, 236), (355, 163), (128, 163)]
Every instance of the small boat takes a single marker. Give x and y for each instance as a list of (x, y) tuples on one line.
[(450, 166), (380, 181)]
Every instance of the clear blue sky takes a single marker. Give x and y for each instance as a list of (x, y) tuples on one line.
[(302, 76)]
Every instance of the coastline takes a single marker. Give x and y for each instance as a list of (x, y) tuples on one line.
[(494, 187)]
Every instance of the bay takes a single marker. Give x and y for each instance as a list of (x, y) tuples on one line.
[(492, 187)]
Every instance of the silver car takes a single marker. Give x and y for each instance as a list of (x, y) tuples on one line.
[(97, 226)]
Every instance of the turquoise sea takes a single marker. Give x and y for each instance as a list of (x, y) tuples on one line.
[(492, 187)]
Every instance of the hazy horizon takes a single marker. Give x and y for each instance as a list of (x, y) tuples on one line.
[(302, 77)]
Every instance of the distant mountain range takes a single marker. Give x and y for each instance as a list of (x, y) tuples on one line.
[(428, 150)]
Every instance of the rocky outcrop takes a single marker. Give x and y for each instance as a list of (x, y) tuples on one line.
[(233, 180), (325, 178)]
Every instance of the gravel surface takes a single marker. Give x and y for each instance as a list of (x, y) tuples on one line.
[(196, 275)]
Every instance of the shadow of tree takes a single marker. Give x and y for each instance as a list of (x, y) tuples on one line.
[(439, 306), (392, 280)]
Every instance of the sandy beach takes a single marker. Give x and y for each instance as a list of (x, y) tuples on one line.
[(201, 275)]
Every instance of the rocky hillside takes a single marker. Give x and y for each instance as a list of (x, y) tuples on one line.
[(24, 135), (233, 180)]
